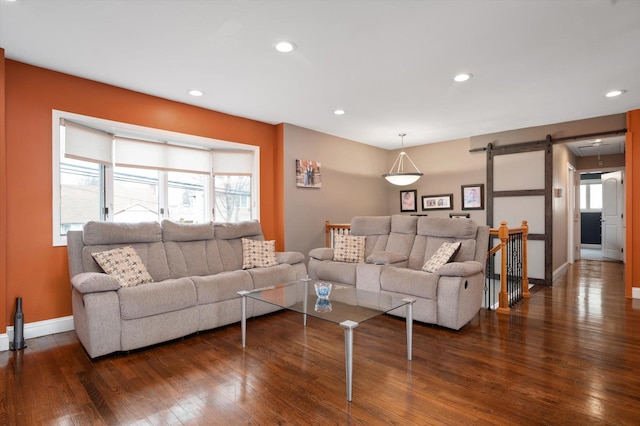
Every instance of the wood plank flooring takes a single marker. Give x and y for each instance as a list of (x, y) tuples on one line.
[(569, 355)]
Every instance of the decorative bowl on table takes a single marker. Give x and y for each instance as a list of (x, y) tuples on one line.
[(323, 290)]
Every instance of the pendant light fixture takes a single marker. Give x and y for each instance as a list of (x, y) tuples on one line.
[(397, 175)]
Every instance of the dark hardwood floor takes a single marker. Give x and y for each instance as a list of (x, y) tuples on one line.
[(568, 355)]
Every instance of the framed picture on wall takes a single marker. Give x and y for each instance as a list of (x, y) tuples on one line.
[(308, 174), (408, 200), (437, 202), (473, 197)]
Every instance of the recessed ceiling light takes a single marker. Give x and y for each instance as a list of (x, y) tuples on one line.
[(614, 93), (339, 112), (285, 46), (196, 92), (462, 77)]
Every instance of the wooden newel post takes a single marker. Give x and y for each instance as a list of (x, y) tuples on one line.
[(525, 274), (503, 297)]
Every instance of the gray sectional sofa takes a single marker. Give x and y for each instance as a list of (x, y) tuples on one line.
[(197, 271), (397, 247)]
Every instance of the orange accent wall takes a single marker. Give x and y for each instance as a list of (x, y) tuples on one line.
[(3, 199), (632, 207), (37, 271)]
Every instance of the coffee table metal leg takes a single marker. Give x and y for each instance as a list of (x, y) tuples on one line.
[(348, 352), (410, 303), (243, 320)]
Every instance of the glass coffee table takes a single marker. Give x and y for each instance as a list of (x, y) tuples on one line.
[(345, 305)]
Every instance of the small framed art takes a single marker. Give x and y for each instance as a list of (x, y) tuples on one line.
[(308, 174), (437, 202), (408, 200), (473, 197)]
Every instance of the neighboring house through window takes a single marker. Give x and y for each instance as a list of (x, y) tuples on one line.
[(103, 170)]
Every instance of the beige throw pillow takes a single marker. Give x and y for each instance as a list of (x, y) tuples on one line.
[(258, 254), (442, 256), (348, 248), (124, 264)]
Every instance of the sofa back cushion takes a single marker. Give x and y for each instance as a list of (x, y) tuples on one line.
[(229, 239), (101, 233), (432, 232), (191, 249), (375, 229), (145, 238), (402, 235)]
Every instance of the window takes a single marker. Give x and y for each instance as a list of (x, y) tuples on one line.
[(233, 198), (100, 172), (590, 195)]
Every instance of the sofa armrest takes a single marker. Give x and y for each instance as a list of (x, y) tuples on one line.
[(386, 258), (460, 269), (290, 257), (94, 282), (322, 253)]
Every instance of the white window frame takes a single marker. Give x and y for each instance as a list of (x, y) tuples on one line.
[(146, 133)]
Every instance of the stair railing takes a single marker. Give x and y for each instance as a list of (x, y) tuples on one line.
[(513, 276), (333, 229)]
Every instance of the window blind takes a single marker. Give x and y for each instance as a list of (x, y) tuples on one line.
[(87, 144), (161, 156), (232, 162)]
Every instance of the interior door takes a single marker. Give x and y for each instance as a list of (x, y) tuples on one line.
[(612, 215)]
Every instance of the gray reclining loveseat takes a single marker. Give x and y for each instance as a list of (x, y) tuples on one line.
[(396, 249)]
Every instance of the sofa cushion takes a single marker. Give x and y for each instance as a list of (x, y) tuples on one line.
[(174, 231), (456, 229), (410, 282), (188, 258), (290, 257), (275, 275), (321, 253), (229, 240), (443, 255), (340, 272), (371, 225), (157, 298), (258, 254), (349, 248), (124, 264), (233, 231), (386, 257), (467, 251), (95, 233), (222, 286)]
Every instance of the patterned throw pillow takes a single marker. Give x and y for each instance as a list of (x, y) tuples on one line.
[(258, 254), (124, 264), (442, 256), (348, 248)]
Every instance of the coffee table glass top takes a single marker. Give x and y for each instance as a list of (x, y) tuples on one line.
[(344, 303)]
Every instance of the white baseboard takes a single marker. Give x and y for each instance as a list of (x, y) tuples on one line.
[(560, 271), (38, 329), (635, 292)]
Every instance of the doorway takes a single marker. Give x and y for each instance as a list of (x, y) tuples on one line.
[(598, 200), (601, 208)]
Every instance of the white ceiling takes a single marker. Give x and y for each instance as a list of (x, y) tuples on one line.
[(389, 64)]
